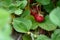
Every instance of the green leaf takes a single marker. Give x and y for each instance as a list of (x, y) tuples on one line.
[(34, 23), (8, 2), (34, 26), (18, 3), (26, 37), (47, 24), (6, 32), (22, 25), (43, 2), (12, 5), (25, 13), (56, 35), (18, 12), (49, 7), (42, 37), (55, 16), (4, 37), (5, 3), (4, 14), (4, 17), (23, 4), (12, 8), (7, 29)]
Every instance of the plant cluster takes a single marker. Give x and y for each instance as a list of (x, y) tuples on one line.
[(35, 19)]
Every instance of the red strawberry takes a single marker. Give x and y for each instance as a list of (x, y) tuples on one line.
[(39, 18), (33, 12)]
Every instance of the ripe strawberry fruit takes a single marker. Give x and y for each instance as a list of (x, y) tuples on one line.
[(39, 18)]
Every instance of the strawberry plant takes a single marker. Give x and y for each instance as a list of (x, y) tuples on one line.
[(29, 19)]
